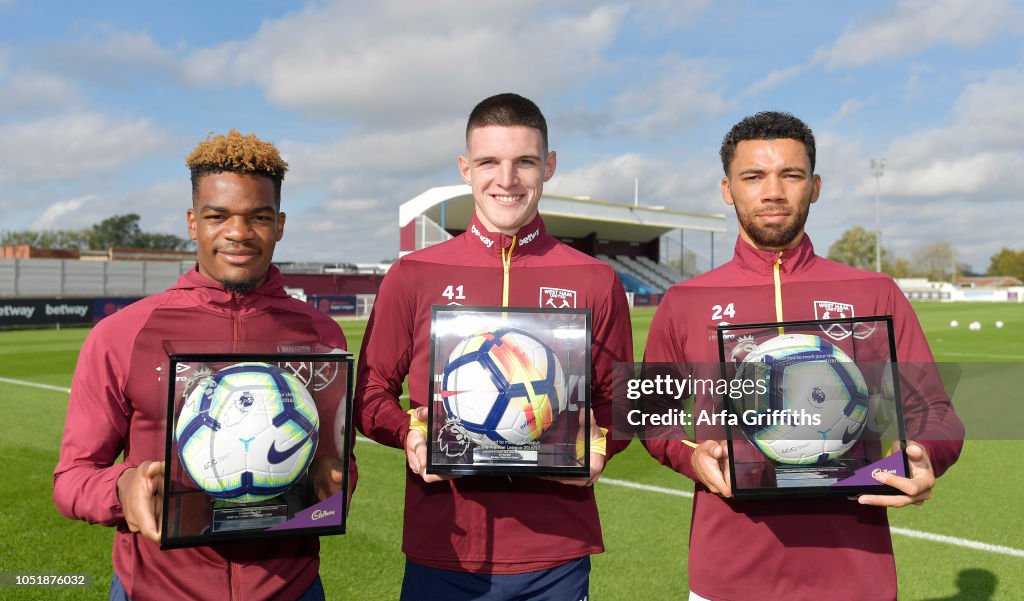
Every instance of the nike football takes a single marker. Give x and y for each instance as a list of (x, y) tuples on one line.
[(247, 432), (814, 403)]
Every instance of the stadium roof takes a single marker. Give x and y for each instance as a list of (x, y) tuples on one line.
[(567, 216)]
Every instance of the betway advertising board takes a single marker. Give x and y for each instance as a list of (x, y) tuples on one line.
[(27, 312)]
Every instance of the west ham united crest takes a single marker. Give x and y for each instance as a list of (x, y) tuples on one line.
[(318, 376), (557, 298), (831, 310)]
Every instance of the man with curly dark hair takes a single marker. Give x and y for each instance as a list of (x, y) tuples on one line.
[(787, 549), (118, 394)]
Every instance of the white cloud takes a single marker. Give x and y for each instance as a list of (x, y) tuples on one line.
[(841, 161), (386, 231), (161, 208), (354, 204), (772, 80), (968, 175), (398, 63), (321, 226), (337, 236), (660, 15), (117, 56), (849, 108), (31, 91), (356, 219), (72, 145), (917, 82), (662, 182), (990, 113), (683, 93), (54, 212), (914, 25), (977, 154), (211, 66), (365, 154), (610, 178)]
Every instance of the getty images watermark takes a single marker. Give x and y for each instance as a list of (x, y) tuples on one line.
[(669, 387)]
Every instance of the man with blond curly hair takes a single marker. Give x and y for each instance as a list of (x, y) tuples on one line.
[(118, 401)]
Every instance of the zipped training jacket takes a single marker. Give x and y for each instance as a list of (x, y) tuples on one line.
[(488, 524), (790, 549), (118, 404)]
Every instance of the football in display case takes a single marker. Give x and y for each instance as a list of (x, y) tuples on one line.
[(510, 391), (247, 426), (814, 407)]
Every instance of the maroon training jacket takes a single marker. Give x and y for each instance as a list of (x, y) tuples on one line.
[(474, 523), (792, 549), (118, 403)]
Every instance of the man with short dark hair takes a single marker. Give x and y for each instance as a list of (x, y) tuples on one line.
[(787, 549), (482, 537), (119, 391)]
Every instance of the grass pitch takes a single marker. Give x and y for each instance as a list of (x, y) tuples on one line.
[(645, 532)]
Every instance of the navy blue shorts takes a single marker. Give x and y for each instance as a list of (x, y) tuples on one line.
[(314, 593), (567, 582)]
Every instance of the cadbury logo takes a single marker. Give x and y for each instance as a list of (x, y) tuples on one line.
[(321, 513)]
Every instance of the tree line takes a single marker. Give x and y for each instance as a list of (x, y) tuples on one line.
[(119, 231), (933, 260)]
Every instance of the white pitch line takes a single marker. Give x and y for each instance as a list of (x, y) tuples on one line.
[(35, 385), (659, 489), (960, 542)]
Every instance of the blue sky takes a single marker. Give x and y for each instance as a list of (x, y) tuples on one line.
[(367, 101)]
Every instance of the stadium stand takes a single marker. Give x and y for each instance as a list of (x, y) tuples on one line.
[(666, 272), (632, 279), (648, 274)]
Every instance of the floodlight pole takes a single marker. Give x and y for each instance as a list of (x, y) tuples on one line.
[(876, 169), (682, 253)]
